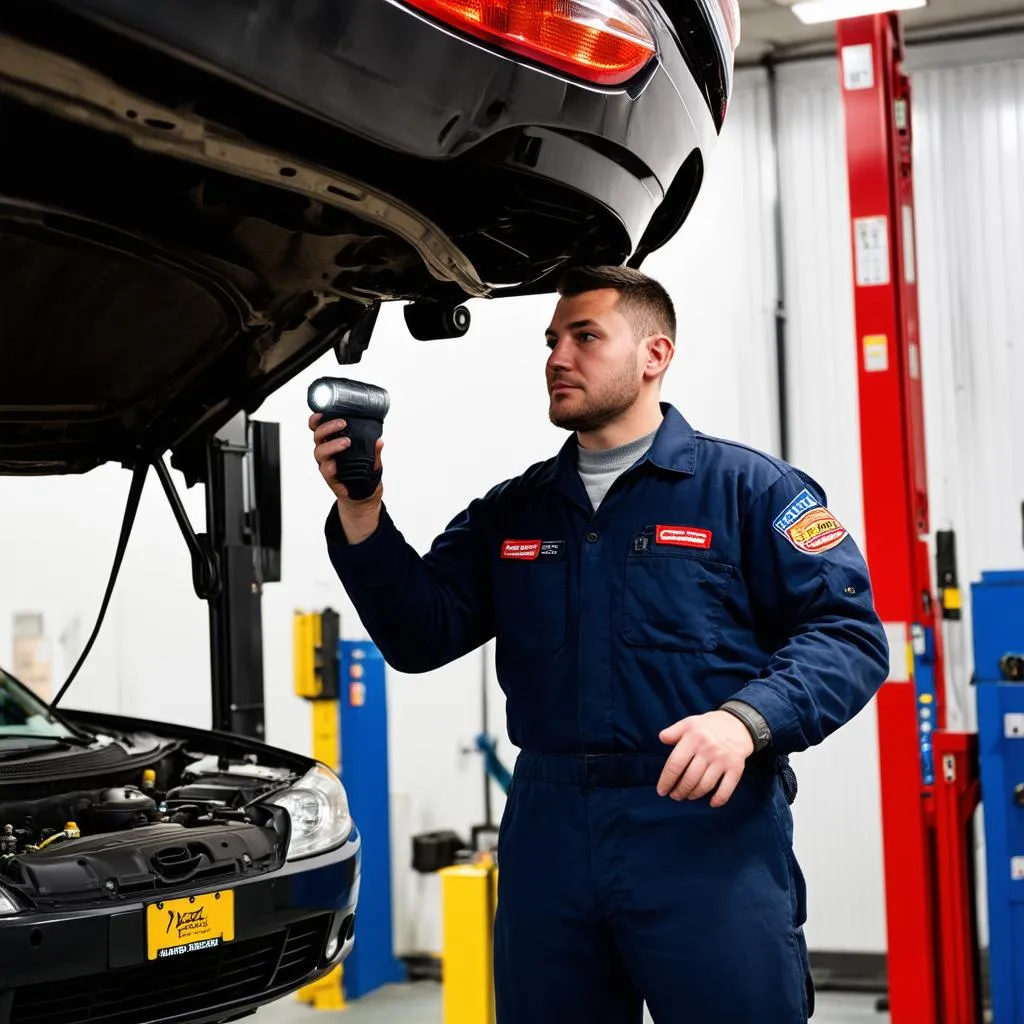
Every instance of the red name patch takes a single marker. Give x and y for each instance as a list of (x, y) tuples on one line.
[(524, 549), (684, 536)]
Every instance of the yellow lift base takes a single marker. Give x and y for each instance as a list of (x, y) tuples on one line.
[(469, 897), (325, 994), (314, 681)]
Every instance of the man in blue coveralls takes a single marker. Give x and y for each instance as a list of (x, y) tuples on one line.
[(674, 614)]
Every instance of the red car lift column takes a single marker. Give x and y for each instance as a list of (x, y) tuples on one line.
[(928, 776)]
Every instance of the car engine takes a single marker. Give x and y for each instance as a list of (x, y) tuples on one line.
[(188, 818)]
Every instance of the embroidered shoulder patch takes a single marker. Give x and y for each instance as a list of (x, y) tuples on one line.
[(809, 526)]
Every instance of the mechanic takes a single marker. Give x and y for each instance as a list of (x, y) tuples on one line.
[(675, 615)]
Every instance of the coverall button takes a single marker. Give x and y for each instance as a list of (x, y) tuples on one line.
[(591, 537)]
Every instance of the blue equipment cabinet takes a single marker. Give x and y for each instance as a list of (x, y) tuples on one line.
[(998, 614), (364, 772)]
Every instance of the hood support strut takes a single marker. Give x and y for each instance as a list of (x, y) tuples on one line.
[(205, 565), (230, 562)]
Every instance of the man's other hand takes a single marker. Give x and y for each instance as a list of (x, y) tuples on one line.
[(710, 750)]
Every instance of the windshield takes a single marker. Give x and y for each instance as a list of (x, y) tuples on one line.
[(22, 713)]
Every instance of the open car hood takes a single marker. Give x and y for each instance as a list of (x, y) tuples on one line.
[(160, 273)]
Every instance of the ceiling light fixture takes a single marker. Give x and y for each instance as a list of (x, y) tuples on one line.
[(816, 12)]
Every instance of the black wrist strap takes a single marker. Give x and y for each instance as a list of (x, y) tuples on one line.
[(753, 720)]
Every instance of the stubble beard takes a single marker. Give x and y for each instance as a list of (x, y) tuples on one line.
[(598, 410)]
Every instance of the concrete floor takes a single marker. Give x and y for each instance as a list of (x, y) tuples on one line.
[(420, 1003)]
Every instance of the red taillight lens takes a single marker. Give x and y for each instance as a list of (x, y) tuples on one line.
[(601, 41)]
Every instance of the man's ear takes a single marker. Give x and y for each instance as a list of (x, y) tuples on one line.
[(660, 351)]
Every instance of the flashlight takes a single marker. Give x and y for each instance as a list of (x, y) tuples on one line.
[(363, 407)]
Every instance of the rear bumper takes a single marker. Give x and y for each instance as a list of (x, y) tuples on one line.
[(398, 81), (92, 964)]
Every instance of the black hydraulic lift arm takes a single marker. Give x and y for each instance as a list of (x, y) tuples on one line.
[(241, 550), (231, 562)]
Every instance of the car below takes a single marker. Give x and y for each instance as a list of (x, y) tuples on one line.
[(158, 873)]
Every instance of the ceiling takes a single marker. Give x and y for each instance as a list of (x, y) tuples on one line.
[(770, 28)]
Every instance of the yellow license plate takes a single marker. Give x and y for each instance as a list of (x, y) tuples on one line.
[(174, 927)]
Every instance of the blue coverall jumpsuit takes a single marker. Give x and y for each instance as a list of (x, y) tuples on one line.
[(709, 572)]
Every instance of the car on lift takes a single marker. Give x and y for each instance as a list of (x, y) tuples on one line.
[(197, 201)]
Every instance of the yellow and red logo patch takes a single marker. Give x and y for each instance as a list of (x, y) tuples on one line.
[(817, 531), (809, 526)]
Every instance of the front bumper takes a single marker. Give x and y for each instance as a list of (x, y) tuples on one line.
[(427, 95), (91, 964)]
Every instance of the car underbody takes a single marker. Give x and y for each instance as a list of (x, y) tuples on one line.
[(172, 241)]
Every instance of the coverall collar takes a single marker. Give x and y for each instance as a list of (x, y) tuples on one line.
[(674, 449)]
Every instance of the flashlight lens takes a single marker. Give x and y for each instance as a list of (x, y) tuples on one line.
[(322, 395)]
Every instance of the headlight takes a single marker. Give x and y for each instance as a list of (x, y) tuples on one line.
[(318, 808), (7, 905)]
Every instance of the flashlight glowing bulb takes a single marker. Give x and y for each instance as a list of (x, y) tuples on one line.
[(322, 396)]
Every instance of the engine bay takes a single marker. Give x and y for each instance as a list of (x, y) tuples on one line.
[(187, 818)]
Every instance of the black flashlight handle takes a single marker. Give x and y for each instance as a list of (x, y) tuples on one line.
[(355, 465)]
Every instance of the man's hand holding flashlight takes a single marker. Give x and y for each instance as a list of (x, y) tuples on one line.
[(359, 519)]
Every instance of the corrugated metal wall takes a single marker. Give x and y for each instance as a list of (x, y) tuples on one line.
[(969, 136), (969, 175), (838, 837)]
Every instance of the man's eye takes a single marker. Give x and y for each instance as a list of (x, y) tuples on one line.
[(587, 336)]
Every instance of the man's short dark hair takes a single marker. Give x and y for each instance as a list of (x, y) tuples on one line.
[(642, 300)]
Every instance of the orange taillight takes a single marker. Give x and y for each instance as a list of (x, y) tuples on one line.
[(605, 42)]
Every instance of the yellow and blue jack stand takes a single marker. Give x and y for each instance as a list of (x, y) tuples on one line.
[(345, 682)]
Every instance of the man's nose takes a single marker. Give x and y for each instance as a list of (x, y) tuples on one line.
[(559, 358)]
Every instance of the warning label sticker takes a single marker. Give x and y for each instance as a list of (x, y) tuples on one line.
[(871, 241)]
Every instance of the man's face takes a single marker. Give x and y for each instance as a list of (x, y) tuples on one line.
[(595, 369)]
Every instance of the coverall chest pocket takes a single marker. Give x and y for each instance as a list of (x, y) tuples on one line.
[(530, 608), (674, 601)]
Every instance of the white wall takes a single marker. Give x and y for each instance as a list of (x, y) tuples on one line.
[(968, 108), (969, 135), (837, 814)]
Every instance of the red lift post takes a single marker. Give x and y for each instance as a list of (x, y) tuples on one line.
[(929, 776)]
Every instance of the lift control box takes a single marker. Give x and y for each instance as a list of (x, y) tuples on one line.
[(998, 627)]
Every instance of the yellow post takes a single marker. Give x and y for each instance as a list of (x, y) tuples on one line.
[(306, 638), (468, 904), (324, 994), (310, 682), (325, 733)]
